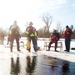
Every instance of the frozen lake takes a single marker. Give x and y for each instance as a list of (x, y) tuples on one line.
[(42, 63)]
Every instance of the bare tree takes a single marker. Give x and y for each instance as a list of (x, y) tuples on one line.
[(27, 23), (58, 26), (42, 32), (47, 19)]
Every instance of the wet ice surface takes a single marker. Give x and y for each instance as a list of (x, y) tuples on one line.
[(40, 63), (35, 65)]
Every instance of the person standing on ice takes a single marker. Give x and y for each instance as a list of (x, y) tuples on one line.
[(14, 32), (32, 35), (67, 34)]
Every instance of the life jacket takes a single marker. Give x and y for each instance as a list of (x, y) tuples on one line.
[(68, 32), (55, 37), (31, 30), (14, 29)]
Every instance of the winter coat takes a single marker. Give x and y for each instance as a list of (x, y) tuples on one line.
[(31, 32), (14, 30), (68, 32), (55, 37)]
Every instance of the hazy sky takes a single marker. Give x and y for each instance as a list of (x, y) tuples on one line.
[(31, 10)]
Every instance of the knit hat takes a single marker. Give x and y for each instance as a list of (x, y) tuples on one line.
[(67, 26), (30, 23)]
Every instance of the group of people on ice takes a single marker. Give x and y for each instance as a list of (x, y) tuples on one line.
[(32, 35), (15, 34), (56, 36)]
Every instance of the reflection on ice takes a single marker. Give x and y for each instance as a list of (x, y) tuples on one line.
[(15, 66), (36, 65)]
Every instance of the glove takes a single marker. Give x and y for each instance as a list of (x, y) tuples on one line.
[(57, 39)]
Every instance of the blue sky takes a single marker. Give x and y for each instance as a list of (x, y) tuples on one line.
[(31, 10)]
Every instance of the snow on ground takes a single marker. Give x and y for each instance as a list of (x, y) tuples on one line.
[(70, 56)]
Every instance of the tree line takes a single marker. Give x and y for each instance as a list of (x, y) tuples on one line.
[(45, 31)]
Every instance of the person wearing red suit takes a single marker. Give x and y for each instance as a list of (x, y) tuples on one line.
[(54, 39), (67, 34)]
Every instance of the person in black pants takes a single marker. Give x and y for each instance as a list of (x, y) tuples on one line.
[(67, 34), (54, 39), (32, 34), (14, 34)]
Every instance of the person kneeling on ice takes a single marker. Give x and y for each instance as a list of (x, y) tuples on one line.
[(54, 39), (32, 35)]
